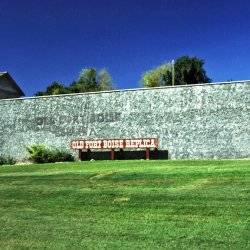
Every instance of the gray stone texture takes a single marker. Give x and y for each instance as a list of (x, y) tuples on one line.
[(195, 121)]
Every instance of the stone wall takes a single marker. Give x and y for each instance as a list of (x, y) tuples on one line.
[(195, 121)]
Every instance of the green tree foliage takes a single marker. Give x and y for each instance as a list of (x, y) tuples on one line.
[(86, 82), (55, 88), (188, 70), (160, 76), (89, 80), (104, 80)]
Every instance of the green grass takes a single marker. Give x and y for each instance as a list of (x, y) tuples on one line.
[(126, 205)]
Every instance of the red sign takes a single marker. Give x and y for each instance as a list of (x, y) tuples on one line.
[(114, 143)]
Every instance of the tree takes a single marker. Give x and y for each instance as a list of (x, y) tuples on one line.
[(86, 81), (104, 80), (91, 80), (160, 76), (188, 70), (55, 88)]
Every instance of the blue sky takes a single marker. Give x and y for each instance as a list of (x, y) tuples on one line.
[(43, 41)]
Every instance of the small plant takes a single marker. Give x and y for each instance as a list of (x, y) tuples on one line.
[(41, 154), (7, 160)]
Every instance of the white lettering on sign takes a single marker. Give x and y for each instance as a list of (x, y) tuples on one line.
[(115, 143)]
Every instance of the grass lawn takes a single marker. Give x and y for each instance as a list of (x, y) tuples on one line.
[(126, 205)]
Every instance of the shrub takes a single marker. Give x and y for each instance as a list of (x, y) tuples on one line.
[(41, 154), (7, 160)]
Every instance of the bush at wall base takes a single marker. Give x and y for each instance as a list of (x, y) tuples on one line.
[(41, 154), (7, 160)]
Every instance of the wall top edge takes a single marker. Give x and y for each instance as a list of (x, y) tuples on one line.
[(128, 90)]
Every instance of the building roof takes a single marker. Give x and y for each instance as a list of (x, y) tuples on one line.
[(2, 73), (9, 86)]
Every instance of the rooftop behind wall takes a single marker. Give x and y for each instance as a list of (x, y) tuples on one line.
[(192, 121), (8, 87)]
